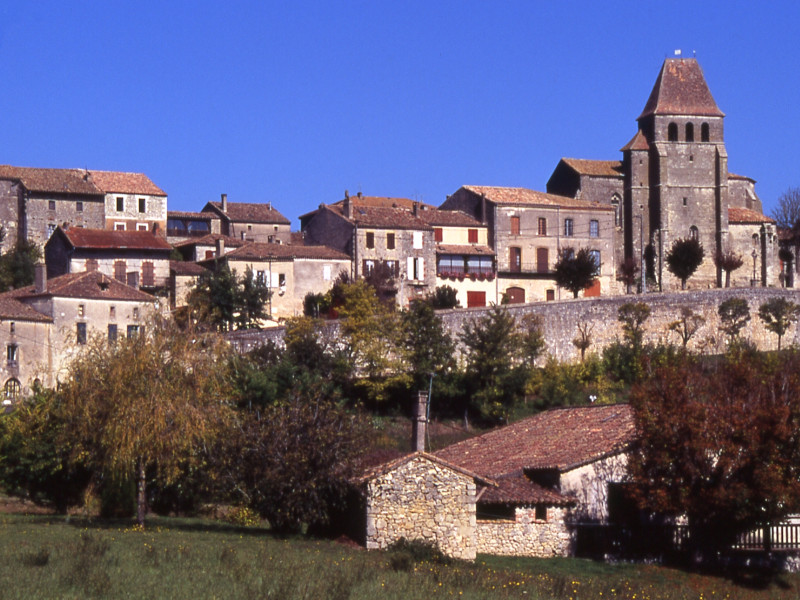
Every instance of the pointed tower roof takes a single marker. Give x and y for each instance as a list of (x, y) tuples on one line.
[(681, 89), (639, 142)]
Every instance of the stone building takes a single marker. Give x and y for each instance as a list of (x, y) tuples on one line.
[(183, 225), (527, 230), (207, 246), (33, 202), (253, 222), (44, 325), (517, 490), (673, 182), (139, 258), (377, 232)]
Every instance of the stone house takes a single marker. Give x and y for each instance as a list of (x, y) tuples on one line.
[(207, 246), (379, 232), (528, 230), (754, 236), (518, 490), (183, 225), (464, 260), (36, 201), (42, 326), (289, 271), (672, 182), (183, 276), (253, 222), (139, 258)]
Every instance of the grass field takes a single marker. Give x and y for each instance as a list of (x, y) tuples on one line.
[(50, 557)]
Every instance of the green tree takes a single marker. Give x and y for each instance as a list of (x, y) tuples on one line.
[(734, 314), (17, 266), (684, 257), (719, 443), (687, 325), (576, 271), (728, 261), (633, 315), (628, 269), (444, 296), (251, 300), (532, 339), (429, 348), (492, 345), (778, 314), (145, 403), (221, 300)]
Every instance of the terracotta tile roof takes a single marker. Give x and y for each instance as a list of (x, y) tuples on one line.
[(384, 202), (518, 489), (597, 168), (261, 251), (211, 240), (740, 177), (745, 216), (681, 89), (448, 218), (125, 183), (199, 216), (382, 218), (55, 181), (524, 196), (471, 249), (91, 285), (377, 471), (638, 142), (11, 308), (245, 212), (185, 267), (102, 239), (559, 439), (297, 238)]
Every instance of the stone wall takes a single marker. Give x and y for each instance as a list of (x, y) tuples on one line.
[(525, 535), (422, 500)]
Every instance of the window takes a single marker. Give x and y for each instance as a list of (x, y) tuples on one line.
[(209, 254), (542, 226), (390, 241), (542, 260), (148, 274), (51, 227), (135, 313), (392, 266), (689, 132), (594, 228), (514, 225), (120, 204), (450, 265), (11, 391), (540, 513), (81, 333), (261, 277), (142, 227), (133, 331), (672, 132), (119, 226), (704, 137), (326, 272), (112, 312), (112, 333), (616, 203), (119, 270), (685, 200), (472, 236), (568, 227), (281, 280), (79, 206), (51, 204), (417, 240), (81, 310), (11, 327), (437, 234), (595, 254), (416, 268), (367, 267), (515, 259), (694, 233), (370, 239), (142, 205), (550, 295), (12, 353)]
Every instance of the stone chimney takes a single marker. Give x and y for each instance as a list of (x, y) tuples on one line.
[(420, 424), (415, 206), (224, 203), (40, 278), (347, 208), (221, 246)]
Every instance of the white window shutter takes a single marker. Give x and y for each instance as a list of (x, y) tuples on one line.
[(410, 268), (274, 280), (421, 269)]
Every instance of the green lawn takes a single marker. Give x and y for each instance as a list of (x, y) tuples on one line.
[(50, 557)]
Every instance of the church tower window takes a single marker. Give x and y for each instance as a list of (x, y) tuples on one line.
[(672, 132), (694, 233), (689, 132), (704, 137)]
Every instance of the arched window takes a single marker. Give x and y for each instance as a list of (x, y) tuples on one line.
[(689, 132), (12, 391), (672, 132), (616, 202), (704, 134), (694, 233)]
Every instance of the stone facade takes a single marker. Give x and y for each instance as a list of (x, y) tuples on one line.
[(588, 484), (135, 212), (526, 535), (421, 499)]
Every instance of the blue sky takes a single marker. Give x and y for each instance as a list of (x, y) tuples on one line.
[(294, 102)]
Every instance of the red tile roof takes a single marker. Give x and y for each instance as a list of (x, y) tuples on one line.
[(448, 218), (211, 240), (681, 89), (104, 239), (638, 142), (384, 202), (524, 196), (471, 249), (114, 182), (11, 308), (244, 212), (54, 181), (261, 251), (91, 285), (377, 471), (597, 168), (382, 217), (740, 177), (518, 489), (745, 216), (560, 439), (199, 216), (185, 267)]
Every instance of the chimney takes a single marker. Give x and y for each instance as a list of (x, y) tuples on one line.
[(133, 279), (416, 208), (221, 247), (347, 208), (420, 424), (40, 278), (224, 203)]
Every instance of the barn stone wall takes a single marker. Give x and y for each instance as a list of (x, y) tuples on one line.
[(525, 535)]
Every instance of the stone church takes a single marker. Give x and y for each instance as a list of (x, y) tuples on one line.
[(673, 182)]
